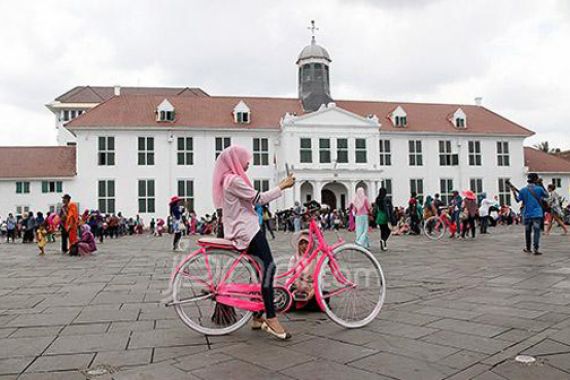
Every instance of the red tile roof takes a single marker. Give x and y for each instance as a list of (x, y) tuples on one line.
[(98, 94), (37, 161), (216, 112), (541, 162)]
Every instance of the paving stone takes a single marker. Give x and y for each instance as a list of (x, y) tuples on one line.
[(515, 335), (165, 338), (462, 359), (14, 365), (132, 326), (546, 347), (471, 343), (89, 316), (161, 354), (201, 360), (512, 322), (267, 356), (14, 347), (64, 375), (50, 363), (409, 318), (36, 331), (155, 371), (4, 333), (467, 327), (325, 370), (560, 361), (236, 370), (513, 370), (123, 358), (449, 313), (399, 329), (42, 319), (412, 348), (336, 351), (89, 343), (401, 367), (85, 329)]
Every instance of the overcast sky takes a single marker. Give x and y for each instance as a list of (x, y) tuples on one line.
[(515, 54)]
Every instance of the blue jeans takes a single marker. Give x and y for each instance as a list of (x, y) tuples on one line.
[(530, 225)]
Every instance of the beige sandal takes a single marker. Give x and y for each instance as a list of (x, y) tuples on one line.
[(257, 323), (282, 336)]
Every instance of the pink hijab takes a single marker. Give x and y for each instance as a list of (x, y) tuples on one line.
[(231, 162), (359, 199)]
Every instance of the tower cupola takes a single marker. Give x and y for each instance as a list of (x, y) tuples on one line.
[(313, 65)]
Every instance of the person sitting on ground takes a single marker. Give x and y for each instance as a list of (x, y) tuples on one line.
[(303, 288), (86, 245)]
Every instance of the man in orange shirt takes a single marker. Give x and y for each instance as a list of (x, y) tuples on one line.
[(71, 222)]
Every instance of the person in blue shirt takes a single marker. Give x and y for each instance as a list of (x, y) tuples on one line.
[(531, 197)]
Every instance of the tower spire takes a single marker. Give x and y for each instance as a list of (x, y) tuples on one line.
[(312, 28)]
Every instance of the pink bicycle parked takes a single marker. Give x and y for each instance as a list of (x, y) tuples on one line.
[(348, 281)]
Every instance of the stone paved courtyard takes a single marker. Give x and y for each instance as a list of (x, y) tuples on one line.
[(455, 310)]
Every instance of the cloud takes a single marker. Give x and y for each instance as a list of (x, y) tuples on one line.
[(510, 52)]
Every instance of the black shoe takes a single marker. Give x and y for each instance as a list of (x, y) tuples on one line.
[(527, 250), (537, 252), (382, 245)]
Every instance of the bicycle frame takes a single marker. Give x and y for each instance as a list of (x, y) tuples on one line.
[(248, 296)]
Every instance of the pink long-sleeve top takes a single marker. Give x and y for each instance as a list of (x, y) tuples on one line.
[(241, 222), (364, 209)]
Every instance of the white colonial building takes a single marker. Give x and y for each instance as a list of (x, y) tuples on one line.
[(136, 147)]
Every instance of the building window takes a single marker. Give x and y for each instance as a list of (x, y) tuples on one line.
[(445, 190), (22, 187), (503, 153), (261, 185), (21, 210), (67, 115), (385, 155), (242, 117), (146, 195), (106, 196), (166, 116), (185, 154), (476, 185), (460, 122), (260, 152), (446, 157), (401, 121), (106, 151), (360, 151), (557, 182), (221, 144), (55, 208), (324, 151), (386, 183), (186, 192), (504, 192), (342, 151), (306, 152), (52, 187), (415, 152), (417, 186), (146, 150), (474, 153)]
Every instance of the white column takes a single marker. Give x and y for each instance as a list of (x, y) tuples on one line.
[(372, 190), (297, 192), (317, 188), (351, 190)]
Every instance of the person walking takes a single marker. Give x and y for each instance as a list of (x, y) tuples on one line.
[(456, 203), (532, 197), (484, 212), (176, 215), (469, 213), (555, 203), (362, 209), (71, 223), (233, 192), (384, 214), (266, 221), (297, 213), (11, 228)]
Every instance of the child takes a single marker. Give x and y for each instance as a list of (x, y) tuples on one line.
[(302, 289), (41, 234), (233, 192)]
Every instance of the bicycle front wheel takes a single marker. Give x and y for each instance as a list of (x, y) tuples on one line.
[(351, 288), (434, 228), (194, 301)]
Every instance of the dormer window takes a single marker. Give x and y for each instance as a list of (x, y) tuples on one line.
[(242, 113), (459, 119), (165, 112), (401, 121), (399, 117)]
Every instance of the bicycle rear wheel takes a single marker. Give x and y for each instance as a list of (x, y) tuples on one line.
[(194, 301), (351, 288), (434, 228)]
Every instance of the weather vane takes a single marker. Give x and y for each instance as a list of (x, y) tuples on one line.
[(312, 28)]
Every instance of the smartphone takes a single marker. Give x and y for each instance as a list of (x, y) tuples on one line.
[(287, 169)]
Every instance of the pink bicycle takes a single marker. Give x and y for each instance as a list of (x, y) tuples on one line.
[(348, 280)]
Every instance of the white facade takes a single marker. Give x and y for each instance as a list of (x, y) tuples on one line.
[(35, 198)]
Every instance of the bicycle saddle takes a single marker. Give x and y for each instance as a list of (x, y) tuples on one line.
[(217, 243)]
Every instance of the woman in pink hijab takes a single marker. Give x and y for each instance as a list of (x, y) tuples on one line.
[(362, 209), (234, 194)]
